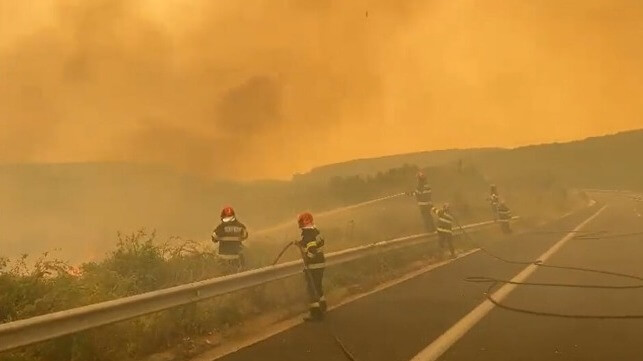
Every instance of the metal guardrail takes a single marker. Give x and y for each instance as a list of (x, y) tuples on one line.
[(41, 328)]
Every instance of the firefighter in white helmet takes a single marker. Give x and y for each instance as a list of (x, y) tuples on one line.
[(494, 200)]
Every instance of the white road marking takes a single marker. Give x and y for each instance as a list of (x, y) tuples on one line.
[(438, 347), (234, 346)]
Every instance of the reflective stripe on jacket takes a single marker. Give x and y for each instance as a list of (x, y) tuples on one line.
[(229, 235), (445, 221), (504, 214), (312, 245), (423, 195)]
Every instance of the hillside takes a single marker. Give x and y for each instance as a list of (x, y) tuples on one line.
[(612, 161), (607, 161), (81, 207), (373, 165)]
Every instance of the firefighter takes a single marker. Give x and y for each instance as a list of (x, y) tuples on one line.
[(230, 234), (494, 199), (423, 196), (311, 246), (445, 227), (504, 216)]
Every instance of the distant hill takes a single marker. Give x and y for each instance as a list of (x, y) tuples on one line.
[(369, 166), (611, 161), (607, 161)]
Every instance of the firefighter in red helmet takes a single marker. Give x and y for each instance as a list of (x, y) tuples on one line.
[(230, 234), (423, 197), (445, 228), (311, 246)]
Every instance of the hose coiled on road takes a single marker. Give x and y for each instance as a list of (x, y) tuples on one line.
[(495, 282)]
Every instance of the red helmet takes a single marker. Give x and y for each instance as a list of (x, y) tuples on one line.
[(305, 219), (227, 212)]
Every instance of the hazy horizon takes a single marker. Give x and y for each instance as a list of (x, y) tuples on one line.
[(268, 89), (303, 171)]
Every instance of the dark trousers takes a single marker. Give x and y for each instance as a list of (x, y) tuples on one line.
[(445, 239), (505, 226), (231, 266), (427, 218), (494, 211), (314, 279)]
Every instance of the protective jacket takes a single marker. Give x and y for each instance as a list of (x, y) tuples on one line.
[(230, 236), (504, 213), (423, 195), (313, 246), (445, 221)]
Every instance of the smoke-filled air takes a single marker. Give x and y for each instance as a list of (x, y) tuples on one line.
[(264, 89), (199, 180)]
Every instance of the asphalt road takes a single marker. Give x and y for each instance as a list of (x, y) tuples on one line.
[(504, 335), (399, 322)]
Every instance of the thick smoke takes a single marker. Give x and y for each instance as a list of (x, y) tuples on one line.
[(264, 88)]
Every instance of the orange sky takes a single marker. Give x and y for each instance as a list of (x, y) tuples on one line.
[(265, 88)]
